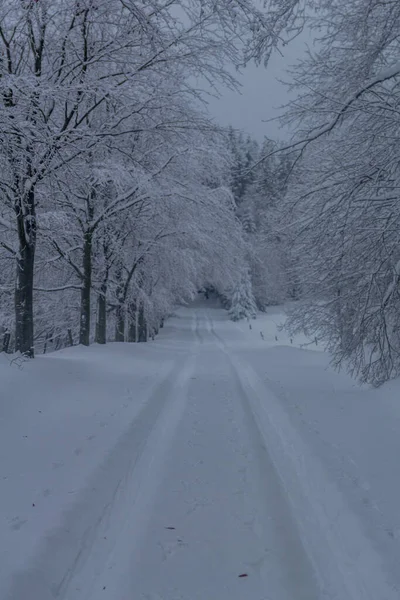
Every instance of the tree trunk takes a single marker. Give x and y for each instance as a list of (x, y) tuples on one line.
[(101, 332), (142, 325), (132, 329), (24, 295), (84, 333), (6, 342), (25, 210), (70, 338), (48, 335), (120, 323)]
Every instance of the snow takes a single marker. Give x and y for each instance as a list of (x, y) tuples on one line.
[(5, 223), (165, 471)]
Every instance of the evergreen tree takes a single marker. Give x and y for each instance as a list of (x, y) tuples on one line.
[(243, 305), (258, 191)]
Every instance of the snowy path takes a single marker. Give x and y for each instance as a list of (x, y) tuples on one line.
[(202, 490), (219, 511)]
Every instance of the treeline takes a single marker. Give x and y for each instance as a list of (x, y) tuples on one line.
[(114, 192), (119, 198), (343, 202)]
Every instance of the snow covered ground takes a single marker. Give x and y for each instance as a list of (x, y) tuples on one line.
[(215, 463)]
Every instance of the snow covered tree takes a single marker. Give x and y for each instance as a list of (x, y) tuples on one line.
[(259, 189), (343, 200), (75, 80), (243, 305), (149, 252)]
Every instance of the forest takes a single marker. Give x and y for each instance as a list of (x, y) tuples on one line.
[(121, 198)]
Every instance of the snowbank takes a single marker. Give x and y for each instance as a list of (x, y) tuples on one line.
[(60, 416)]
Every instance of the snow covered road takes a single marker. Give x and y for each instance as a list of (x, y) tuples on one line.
[(194, 484), (219, 511)]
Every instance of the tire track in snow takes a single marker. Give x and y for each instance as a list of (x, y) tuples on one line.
[(73, 557), (196, 328), (347, 565), (297, 576), (229, 514)]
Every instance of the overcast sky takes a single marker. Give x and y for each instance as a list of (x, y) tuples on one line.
[(260, 97)]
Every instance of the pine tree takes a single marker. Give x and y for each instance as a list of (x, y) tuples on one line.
[(243, 305)]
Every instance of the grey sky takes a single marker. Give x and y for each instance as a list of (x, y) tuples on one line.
[(260, 97)]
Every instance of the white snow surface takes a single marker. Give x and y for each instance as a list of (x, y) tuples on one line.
[(168, 470)]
